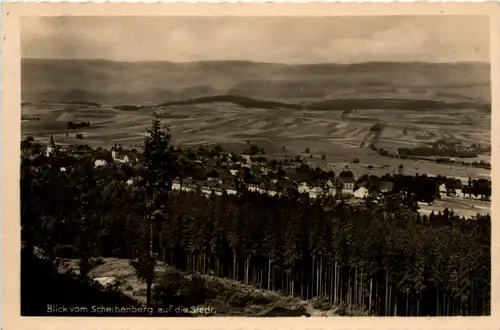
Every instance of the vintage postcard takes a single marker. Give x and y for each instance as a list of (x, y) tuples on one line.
[(254, 166)]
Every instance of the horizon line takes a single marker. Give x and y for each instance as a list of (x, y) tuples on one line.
[(250, 61)]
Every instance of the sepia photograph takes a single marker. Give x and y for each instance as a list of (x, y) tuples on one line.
[(255, 166)]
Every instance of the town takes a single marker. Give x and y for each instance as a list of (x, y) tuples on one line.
[(213, 170)]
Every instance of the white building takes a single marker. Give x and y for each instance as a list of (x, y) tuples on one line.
[(303, 188), (315, 192), (442, 190), (271, 192), (361, 192), (253, 187), (231, 191), (206, 190), (176, 184), (459, 193), (99, 162)]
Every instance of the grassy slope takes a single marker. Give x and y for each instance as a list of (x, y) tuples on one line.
[(233, 298), (158, 82)]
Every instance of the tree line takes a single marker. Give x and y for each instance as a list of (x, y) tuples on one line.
[(383, 257)]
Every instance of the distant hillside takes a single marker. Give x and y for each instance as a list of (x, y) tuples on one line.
[(159, 82), (335, 104), (245, 102)]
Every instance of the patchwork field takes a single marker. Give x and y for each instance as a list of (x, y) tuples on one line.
[(282, 133)]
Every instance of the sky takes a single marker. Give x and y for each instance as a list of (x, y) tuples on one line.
[(289, 40)]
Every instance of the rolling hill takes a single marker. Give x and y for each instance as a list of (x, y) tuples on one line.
[(110, 82), (334, 104)]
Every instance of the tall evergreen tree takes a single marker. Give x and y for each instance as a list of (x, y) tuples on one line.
[(159, 168)]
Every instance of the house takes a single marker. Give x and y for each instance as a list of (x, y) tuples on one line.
[(118, 155), (303, 188), (99, 162), (121, 156), (176, 184), (315, 192), (188, 185), (272, 189), (346, 183), (361, 192), (206, 190), (328, 184), (346, 186), (386, 187), (331, 192), (443, 192), (230, 189), (459, 193), (253, 187)]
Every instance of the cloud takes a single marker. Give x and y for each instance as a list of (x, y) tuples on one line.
[(264, 39), (401, 40)]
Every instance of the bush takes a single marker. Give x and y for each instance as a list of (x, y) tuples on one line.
[(351, 310), (65, 251), (167, 290), (126, 107), (321, 303), (195, 293), (72, 125), (176, 288), (240, 299)]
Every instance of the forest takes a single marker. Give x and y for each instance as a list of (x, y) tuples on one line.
[(380, 256)]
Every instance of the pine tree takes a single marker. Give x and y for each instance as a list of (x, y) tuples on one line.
[(159, 167)]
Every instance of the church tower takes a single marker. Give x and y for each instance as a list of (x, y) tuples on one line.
[(51, 148), (114, 151)]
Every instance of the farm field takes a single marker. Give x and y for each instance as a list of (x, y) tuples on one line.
[(464, 207), (282, 133)]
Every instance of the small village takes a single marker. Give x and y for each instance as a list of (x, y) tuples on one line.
[(216, 171)]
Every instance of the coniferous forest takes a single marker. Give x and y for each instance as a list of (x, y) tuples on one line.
[(381, 256)]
